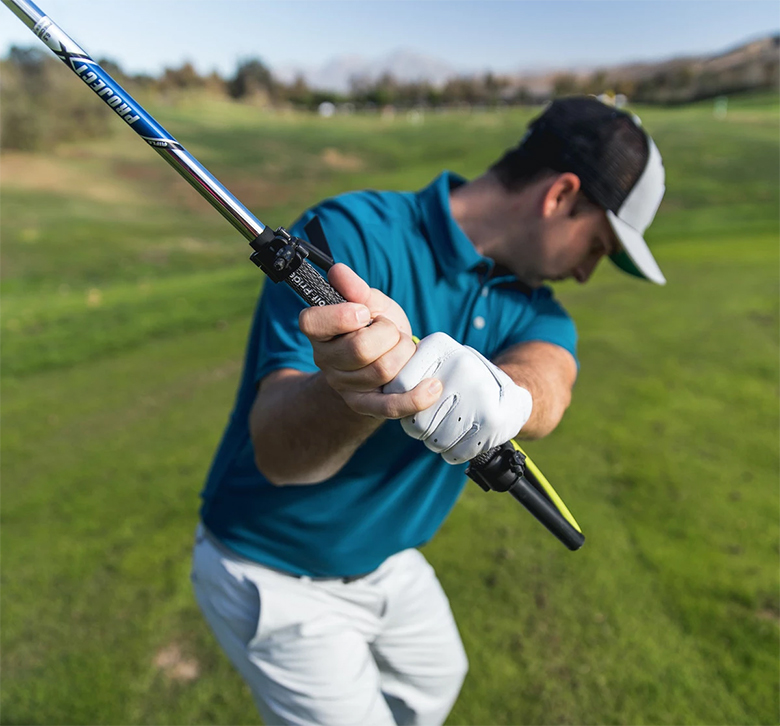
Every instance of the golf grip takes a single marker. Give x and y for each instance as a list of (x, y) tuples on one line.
[(316, 290), (306, 281), (313, 287)]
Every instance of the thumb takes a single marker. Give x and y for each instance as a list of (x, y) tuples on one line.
[(349, 284)]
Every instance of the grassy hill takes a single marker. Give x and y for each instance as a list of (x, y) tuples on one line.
[(125, 307)]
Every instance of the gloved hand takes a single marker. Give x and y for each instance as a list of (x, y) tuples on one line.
[(479, 408)]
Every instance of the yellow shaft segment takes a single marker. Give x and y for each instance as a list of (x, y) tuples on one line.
[(548, 488)]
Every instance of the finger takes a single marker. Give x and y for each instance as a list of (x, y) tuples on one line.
[(355, 289), (322, 323), (347, 282), (358, 349), (395, 405), (376, 374)]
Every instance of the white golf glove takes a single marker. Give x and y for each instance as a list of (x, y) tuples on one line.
[(479, 408)]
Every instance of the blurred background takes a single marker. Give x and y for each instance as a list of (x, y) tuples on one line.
[(126, 302)]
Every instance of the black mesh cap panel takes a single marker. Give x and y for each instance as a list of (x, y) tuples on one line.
[(603, 146)]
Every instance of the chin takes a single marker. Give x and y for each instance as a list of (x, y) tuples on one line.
[(561, 278)]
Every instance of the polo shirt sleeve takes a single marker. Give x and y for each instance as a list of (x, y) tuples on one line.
[(280, 342), (549, 323)]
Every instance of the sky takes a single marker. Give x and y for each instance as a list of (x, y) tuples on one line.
[(508, 35)]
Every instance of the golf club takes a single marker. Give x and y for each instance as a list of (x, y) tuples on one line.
[(284, 259)]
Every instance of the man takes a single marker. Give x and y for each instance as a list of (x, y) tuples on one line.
[(305, 564)]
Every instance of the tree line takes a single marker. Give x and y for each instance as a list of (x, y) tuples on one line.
[(41, 105)]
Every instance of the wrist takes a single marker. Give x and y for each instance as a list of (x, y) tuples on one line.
[(480, 406), (341, 409), (525, 403)]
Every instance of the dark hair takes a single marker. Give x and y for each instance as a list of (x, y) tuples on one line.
[(516, 169), (603, 146)]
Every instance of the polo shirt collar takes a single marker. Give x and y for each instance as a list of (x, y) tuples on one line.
[(455, 253)]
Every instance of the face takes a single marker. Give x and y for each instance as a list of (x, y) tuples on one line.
[(561, 235), (573, 246)]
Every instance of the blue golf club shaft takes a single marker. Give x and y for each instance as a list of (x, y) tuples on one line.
[(306, 281), (133, 114)]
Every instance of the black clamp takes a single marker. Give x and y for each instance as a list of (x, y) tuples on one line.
[(498, 469), (278, 253)]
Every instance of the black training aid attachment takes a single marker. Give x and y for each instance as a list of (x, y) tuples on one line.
[(283, 258), (502, 469)]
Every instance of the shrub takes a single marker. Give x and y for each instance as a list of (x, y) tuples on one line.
[(42, 104)]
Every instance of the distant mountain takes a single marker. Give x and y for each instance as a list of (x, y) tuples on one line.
[(751, 65), (763, 50), (404, 65)]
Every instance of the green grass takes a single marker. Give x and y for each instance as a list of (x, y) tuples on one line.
[(125, 306)]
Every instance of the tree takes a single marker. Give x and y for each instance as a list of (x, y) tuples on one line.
[(494, 87), (298, 92), (41, 105), (596, 83), (253, 77), (565, 84), (183, 78)]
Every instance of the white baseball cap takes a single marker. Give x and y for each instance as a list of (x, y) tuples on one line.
[(618, 164), (634, 216)]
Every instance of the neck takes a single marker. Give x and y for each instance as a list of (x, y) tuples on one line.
[(497, 222), (476, 207)]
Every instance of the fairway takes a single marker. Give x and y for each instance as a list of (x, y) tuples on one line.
[(126, 301)]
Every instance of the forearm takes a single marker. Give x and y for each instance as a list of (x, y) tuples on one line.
[(548, 409), (548, 374), (302, 430)]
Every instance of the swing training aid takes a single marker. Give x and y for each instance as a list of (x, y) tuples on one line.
[(283, 258)]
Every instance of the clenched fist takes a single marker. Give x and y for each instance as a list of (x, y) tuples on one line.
[(361, 345), (480, 407)]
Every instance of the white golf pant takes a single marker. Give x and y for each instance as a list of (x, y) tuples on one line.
[(377, 651)]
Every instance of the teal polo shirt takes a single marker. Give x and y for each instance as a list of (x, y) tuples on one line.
[(393, 493)]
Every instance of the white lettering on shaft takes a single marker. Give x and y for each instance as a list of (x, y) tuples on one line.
[(58, 41), (112, 99)]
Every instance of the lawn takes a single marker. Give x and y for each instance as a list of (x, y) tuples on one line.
[(125, 307)]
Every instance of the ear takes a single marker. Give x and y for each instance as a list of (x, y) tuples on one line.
[(561, 196)]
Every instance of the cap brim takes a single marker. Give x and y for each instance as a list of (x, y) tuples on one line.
[(635, 258)]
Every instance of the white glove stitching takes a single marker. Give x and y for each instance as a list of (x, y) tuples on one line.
[(492, 367), (439, 363), (490, 414), (469, 433), (439, 416)]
